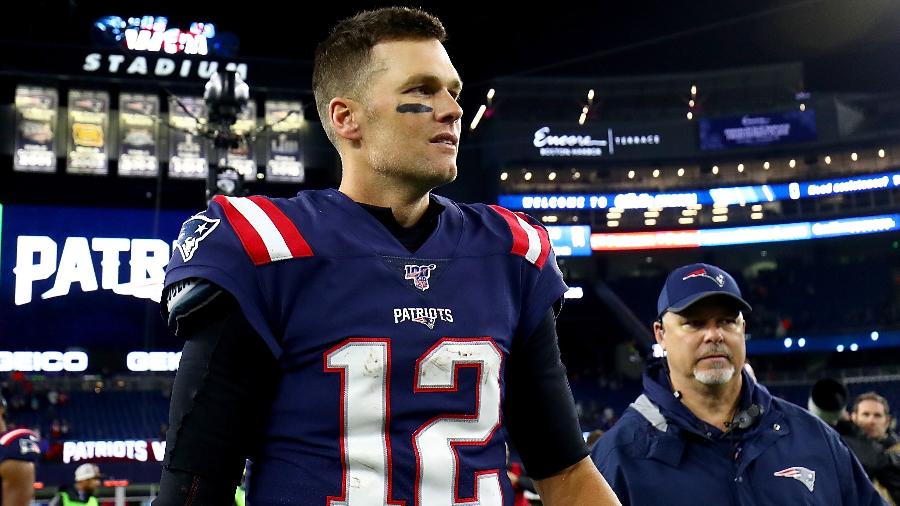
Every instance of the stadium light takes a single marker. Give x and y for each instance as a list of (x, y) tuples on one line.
[(504, 176), (478, 116), (630, 174)]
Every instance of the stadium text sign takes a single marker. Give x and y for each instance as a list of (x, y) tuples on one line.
[(568, 144), (153, 361), (82, 258), (159, 67), (49, 361), (134, 450)]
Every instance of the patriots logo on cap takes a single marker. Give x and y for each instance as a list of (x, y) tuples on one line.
[(193, 231), (701, 273), (419, 275), (801, 474)]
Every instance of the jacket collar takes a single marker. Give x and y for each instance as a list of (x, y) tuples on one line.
[(658, 391)]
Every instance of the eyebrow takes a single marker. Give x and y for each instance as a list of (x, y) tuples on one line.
[(455, 83)]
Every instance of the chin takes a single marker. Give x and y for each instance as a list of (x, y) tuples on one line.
[(441, 176), (719, 376)]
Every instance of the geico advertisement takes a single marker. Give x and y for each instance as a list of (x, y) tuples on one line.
[(83, 276), (78, 361)]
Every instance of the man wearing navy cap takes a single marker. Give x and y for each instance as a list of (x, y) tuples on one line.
[(704, 432)]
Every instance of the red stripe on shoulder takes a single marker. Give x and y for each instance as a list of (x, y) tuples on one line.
[(545, 240), (289, 232), (11, 436), (520, 238), (250, 238)]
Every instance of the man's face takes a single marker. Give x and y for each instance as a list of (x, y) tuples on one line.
[(411, 126), (705, 342), (870, 416), (90, 485)]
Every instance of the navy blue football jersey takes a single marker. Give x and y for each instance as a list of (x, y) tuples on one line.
[(393, 363), (18, 444)]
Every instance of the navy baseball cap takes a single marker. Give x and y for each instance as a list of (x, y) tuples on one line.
[(691, 283)]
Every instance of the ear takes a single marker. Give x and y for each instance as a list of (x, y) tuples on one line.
[(343, 114), (853, 416), (659, 333)]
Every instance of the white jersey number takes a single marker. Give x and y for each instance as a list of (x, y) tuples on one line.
[(364, 365)]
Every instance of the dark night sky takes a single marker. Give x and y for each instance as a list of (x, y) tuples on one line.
[(847, 45)]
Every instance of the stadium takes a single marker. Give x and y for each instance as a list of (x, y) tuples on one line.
[(730, 137)]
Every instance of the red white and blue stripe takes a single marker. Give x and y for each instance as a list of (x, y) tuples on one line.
[(266, 233), (529, 241)]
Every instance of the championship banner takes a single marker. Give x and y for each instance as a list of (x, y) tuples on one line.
[(138, 135), (35, 129), (88, 130), (187, 149), (283, 162), (242, 157)]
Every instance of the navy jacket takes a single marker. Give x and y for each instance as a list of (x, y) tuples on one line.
[(659, 453)]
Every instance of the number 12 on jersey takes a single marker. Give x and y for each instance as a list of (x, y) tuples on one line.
[(364, 365)]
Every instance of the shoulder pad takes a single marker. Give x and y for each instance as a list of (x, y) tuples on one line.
[(529, 238), (265, 231), (187, 296)]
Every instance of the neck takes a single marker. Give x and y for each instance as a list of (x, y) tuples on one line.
[(407, 203), (714, 404), (2, 425)]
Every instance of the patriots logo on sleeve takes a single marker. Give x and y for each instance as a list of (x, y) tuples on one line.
[(29, 445), (194, 230)]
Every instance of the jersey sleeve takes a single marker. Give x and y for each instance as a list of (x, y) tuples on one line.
[(227, 245), (20, 444), (542, 280)]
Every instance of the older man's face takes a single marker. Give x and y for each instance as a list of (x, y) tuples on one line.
[(705, 342)]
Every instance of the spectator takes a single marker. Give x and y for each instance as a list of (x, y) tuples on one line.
[(871, 413), (87, 481)]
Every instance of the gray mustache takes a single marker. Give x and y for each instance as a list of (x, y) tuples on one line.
[(715, 350)]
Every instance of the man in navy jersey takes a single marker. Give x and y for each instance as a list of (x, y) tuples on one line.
[(365, 346), (18, 453)]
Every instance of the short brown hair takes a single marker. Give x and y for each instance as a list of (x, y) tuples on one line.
[(342, 61), (872, 396)]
